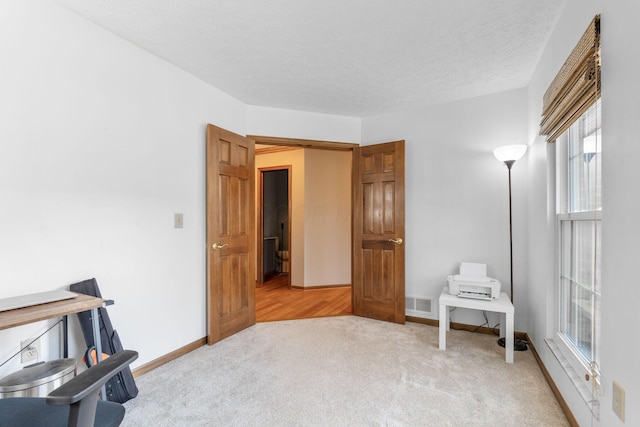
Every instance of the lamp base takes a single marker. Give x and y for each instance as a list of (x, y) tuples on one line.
[(518, 344)]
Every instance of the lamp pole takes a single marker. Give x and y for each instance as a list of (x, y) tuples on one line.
[(510, 163), (508, 155)]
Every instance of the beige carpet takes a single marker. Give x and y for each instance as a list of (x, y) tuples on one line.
[(346, 371)]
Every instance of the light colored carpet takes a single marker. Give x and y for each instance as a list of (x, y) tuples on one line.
[(346, 371)]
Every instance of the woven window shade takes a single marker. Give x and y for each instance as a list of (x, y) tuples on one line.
[(576, 87)]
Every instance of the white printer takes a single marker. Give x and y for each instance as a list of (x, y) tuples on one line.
[(472, 282)]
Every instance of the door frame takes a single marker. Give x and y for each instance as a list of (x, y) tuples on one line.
[(329, 145), (260, 226), (297, 143), (303, 143)]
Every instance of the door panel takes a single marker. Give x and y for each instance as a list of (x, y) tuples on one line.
[(230, 233), (378, 218)]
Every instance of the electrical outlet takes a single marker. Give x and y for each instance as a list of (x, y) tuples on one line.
[(618, 400), (30, 351)]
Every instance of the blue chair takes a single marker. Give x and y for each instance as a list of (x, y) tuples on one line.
[(74, 404)]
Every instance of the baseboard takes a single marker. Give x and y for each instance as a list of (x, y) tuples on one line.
[(148, 367), (422, 320), (311, 288), (462, 327), (521, 335), (563, 404)]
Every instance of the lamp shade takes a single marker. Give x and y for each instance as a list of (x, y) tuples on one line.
[(510, 152)]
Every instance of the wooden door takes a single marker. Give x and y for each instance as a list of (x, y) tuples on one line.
[(230, 233), (378, 232)]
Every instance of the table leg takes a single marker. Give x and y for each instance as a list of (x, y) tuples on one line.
[(97, 340), (443, 326), (509, 338), (65, 337)]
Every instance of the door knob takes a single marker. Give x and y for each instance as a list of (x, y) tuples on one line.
[(218, 246), (397, 241)]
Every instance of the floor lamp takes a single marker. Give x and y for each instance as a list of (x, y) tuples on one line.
[(508, 155)]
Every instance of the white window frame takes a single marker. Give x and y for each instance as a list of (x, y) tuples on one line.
[(576, 359)]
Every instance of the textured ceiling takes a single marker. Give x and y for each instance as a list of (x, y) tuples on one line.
[(349, 57)]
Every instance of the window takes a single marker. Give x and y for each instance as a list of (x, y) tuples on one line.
[(571, 119), (579, 208)]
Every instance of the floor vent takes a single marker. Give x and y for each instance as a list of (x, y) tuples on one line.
[(419, 306)]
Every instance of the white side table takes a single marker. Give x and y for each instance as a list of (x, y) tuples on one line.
[(502, 305)]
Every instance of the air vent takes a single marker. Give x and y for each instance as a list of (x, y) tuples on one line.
[(419, 306)]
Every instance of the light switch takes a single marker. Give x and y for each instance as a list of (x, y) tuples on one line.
[(178, 220)]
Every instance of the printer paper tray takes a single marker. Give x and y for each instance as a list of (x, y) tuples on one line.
[(474, 296)]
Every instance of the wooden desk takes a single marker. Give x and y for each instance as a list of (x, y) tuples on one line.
[(39, 312), (36, 313)]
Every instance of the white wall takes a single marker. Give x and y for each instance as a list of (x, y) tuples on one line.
[(457, 192), (327, 212), (284, 123), (101, 144), (620, 229)]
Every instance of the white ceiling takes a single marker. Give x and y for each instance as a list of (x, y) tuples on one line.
[(349, 57)]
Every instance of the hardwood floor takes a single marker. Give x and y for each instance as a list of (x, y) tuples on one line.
[(275, 301)]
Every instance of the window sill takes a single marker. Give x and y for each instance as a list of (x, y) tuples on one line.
[(574, 377)]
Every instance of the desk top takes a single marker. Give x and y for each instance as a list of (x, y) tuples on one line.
[(35, 313), (502, 305)]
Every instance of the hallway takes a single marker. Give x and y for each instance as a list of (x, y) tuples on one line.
[(275, 301)]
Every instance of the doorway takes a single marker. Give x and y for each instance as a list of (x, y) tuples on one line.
[(375, 249), (313, 267), (274, 228)]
